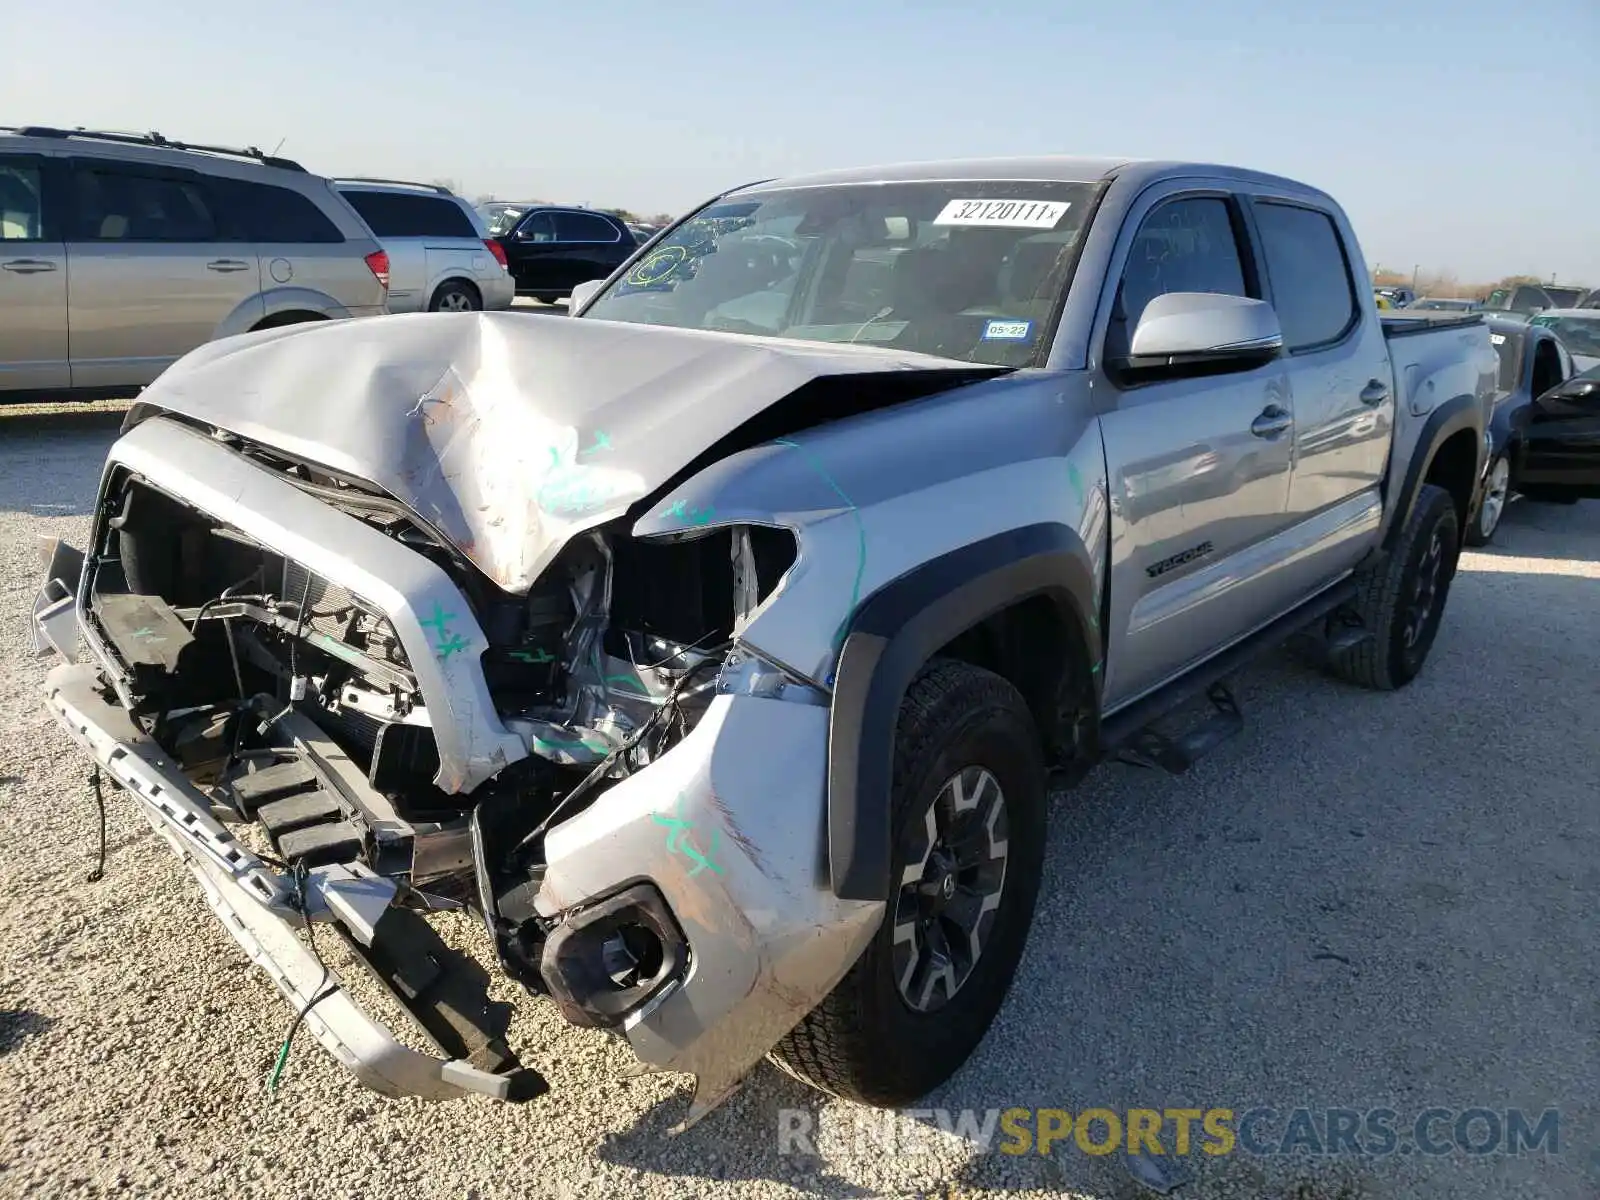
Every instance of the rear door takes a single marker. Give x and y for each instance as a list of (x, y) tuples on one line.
[(151, 271), (588, 247), (33, 276), (1339, 375)]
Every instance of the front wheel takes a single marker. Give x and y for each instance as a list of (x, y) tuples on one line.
[(1401, 600), (968, 802), (1496, 495)]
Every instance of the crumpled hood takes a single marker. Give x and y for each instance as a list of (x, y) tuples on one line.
[(508, 432)]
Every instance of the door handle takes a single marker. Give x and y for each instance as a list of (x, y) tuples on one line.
[(1272, 421), (28, 266), (226, 265), (1376, 392)]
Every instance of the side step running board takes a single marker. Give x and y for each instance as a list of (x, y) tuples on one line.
[(1175, 754), (1127, 733)]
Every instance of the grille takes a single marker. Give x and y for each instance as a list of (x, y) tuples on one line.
[(334, 611)]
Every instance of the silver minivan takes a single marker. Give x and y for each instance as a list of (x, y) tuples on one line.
[(441, 258), (120, 253)]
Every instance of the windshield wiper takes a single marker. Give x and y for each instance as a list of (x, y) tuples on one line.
[(869, 322)]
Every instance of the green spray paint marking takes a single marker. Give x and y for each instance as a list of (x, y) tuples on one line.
[(555, 458), (1076, 480), (679, 842), (694, 516), (439, 620), (601, 442), (536, 657), (861, 532), (451, 645)]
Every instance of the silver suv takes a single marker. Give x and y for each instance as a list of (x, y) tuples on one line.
[(441, 258), (119, 253)]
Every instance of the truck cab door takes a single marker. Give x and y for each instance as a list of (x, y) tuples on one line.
[(1198, 457), (1339, 372), (1561, 441)]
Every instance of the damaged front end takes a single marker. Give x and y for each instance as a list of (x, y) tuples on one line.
[(337, 716)]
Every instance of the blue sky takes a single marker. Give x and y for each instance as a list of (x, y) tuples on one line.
[(1459, 134)]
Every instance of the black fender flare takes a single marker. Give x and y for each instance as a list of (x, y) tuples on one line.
[(1449, 418), (891, 635)]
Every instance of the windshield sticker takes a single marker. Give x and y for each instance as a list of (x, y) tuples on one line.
[(1015, 214), (1007, 331), (1497, 339)]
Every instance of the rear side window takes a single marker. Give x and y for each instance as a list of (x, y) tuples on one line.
[(584, 227), (396, 215), (115, 203), (260, 212), (1311, 285), (21, 206)]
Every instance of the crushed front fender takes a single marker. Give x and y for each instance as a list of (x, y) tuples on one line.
[(730, 827)]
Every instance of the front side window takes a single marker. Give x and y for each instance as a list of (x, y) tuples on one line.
[(118, 204), (540, 227), (1312, 290), (397, 215), (966, 269), (21, 202), (584, 227), (1184, 245)]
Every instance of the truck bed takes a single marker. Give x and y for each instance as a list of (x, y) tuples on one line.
[(1402, 323)]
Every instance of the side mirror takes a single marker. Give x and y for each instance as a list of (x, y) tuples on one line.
[(1183, 329), (582, 294), (1577, 397)]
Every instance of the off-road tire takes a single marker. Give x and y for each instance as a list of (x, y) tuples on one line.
[(864, 1042), (1384, 662)]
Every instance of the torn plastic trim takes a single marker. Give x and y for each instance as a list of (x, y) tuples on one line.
[(259, 908), (354, 895), (433, 620)]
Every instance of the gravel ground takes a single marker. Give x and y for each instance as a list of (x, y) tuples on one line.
[(1363, 901)]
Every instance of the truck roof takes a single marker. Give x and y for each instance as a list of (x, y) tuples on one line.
[(1054, 168)]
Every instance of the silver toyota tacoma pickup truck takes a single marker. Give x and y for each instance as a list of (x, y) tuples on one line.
[(719, 647)]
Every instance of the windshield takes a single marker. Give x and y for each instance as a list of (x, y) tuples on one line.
[(1581, 335), (963, 269), (1433, 304), (1563, 297)]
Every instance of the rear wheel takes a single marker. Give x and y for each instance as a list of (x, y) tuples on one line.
[(1402, 599), (1496, 495), (969, 824), (455, 295)]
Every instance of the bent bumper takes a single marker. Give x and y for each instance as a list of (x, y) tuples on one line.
[(258, 907), (729, 826)]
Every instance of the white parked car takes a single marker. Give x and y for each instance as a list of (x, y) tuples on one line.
[(441, 258)]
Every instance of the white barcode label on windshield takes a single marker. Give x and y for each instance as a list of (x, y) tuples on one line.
[(1497, 339), (1017, 214)]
